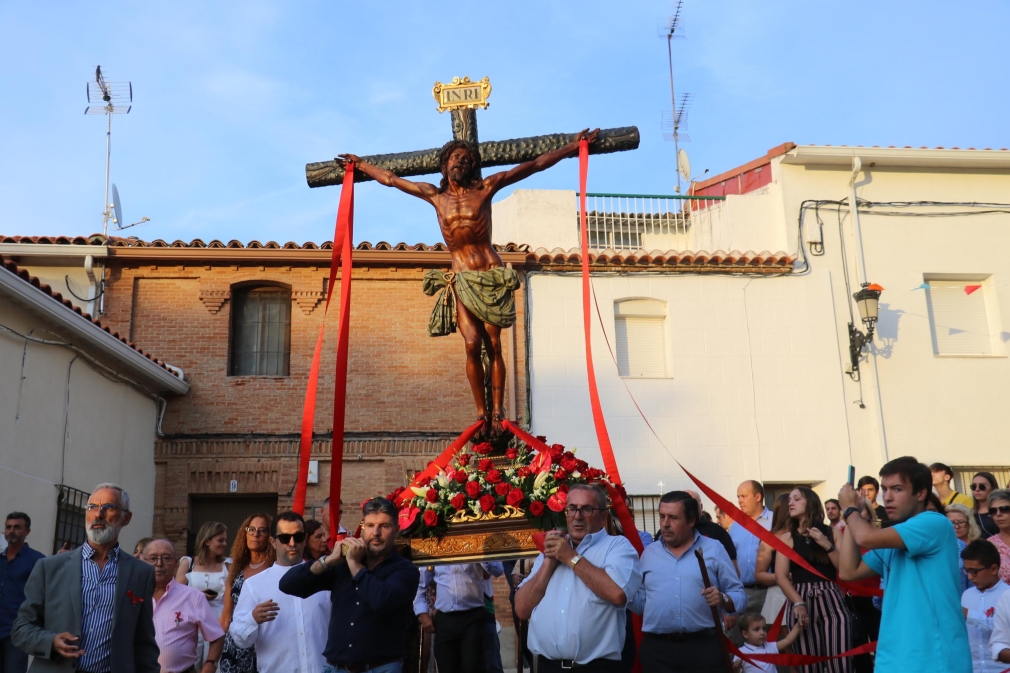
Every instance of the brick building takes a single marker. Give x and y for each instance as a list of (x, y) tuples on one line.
[(230, 446)]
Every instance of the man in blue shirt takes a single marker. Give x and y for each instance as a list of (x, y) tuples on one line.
[(921, 625), (750, 497), (576, 595), (679, 633), (15, 567)]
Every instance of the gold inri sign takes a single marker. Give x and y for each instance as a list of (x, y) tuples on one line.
[(462, 94)]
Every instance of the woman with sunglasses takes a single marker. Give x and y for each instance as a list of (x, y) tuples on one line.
[(999, 509), (983, 484)]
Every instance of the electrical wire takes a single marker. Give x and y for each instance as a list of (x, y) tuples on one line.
[(66, 279)]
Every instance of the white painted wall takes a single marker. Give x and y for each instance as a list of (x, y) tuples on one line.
[(63, 422), (757, 387), (547, 216)]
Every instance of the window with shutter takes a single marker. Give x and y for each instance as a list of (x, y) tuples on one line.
[(260, 332), (639, 326), (959, 321)]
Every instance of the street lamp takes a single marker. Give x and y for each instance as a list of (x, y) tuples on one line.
[(867, 299)]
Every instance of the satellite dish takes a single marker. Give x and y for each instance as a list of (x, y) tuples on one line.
[(684, 165), (117, 208)]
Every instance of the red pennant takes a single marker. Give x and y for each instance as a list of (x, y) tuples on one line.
[(776, 627), (968, 289)]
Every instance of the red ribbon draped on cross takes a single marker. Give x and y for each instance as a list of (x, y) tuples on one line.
[(341, 258)]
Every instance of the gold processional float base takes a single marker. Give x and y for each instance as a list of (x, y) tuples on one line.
[(470, 539)]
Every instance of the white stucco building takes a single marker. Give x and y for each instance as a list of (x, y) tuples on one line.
[(78, 406), (740, 361)]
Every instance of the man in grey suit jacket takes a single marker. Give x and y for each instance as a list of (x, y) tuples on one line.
[(91, 610)]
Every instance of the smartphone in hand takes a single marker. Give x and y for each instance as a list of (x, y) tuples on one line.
[(852, 476)]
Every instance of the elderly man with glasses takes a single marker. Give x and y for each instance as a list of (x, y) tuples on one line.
[(90, 610), (576, 594), (179, 612)]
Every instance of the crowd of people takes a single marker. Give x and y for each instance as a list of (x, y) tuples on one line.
[(906, 562)]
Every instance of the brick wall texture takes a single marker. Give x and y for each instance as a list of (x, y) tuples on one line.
[(407, 395)]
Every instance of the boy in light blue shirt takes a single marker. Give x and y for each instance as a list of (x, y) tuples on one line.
[(921, 625)]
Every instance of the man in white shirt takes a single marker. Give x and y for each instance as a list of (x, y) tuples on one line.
[(460, 617), (577, 594), (294, 643)]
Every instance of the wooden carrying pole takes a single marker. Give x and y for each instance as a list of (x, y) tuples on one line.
[(727, 660)]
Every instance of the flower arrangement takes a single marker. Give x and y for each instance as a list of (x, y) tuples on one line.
[(475, 486)]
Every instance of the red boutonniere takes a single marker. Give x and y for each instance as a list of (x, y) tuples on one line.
[(178, 618), (990, 612), (134, 599)]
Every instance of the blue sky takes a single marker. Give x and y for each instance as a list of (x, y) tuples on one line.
[(232, 99)]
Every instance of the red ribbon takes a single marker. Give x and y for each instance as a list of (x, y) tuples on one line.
[(776, 627), (797, 659), (342, 245), (439, 463)]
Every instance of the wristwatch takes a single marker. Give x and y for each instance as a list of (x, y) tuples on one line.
[(575, 559), (848, 511)]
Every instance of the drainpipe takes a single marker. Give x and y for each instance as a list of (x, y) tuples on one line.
[(860, 264), (89, 269)]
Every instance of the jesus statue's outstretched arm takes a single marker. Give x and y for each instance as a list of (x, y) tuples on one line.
[(421, 190), (543, 162)]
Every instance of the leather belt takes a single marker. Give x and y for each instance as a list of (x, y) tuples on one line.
[(681, 637), (568, 664), (363, 668)]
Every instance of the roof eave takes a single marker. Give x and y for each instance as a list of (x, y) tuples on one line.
[(85, 332), (893, 157)]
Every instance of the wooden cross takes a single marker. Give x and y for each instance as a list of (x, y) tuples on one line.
[(462, 98)]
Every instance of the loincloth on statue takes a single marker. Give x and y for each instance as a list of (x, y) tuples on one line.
[(488, 295)]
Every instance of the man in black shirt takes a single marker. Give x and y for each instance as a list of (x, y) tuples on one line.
[(869, 487), (372, 589)]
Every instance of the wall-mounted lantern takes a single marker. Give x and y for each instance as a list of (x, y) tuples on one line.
[(867, 299)]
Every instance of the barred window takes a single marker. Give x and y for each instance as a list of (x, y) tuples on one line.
[(260, 331), (70, 505)]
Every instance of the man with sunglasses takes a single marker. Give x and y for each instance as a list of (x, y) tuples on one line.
[(576, 595), (288, 633)]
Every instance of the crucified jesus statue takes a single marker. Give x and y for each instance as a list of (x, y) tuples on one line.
[(477, 293)]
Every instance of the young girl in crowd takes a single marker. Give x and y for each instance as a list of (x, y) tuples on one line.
[(754, 629)]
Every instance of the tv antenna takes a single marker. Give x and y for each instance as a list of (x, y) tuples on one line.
[(109, 98), (678, 114)]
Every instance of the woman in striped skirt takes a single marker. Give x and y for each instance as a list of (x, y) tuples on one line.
[(815, 601)]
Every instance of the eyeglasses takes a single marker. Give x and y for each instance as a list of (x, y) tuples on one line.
[(980, 487), (285, 538), (257, 531), (105, 509), (164, 560), (971, 572), (1002, 509), (585, 510), (958, 524)]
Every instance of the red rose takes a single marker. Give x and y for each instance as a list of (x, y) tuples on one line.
[(395, 494), (493, 476), (558, 501), (458, 501), (463, 459), (569, 463), (483, 448), (502, 488), (425, 481), (486, 502), (536, 508), (542, 438), (431, 495), (515, 497), (472, 488), (523, 472), (460, 476), (560, 474), (563, 488), (581, 465), (556, 450), (512, 454), (484, 465), (430, 517)]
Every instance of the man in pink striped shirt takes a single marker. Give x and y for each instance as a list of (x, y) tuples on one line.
[(179, 611)]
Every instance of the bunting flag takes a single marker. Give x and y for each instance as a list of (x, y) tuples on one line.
[(341, 258), (968, 289)]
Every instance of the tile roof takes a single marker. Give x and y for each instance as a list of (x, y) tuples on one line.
[(196, 243), (13, 268), (734, 261)]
